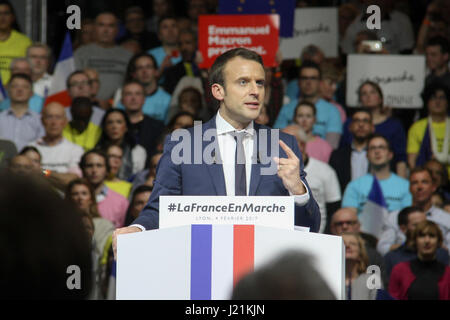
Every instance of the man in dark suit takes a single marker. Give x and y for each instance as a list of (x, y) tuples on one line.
[(350, 161), (237, 83)]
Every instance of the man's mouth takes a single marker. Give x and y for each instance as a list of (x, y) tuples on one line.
[(252, 105)]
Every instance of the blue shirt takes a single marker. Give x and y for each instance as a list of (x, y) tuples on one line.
[(328, 118), (156, 105), (21, 131), (395, 191), (35, 103), (159, 54)]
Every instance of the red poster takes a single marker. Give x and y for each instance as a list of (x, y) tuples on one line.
[(220, 33)]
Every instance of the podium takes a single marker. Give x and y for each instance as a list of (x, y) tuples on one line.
[(203, 262)]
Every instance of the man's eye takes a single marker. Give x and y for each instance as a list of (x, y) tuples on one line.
[(242, 81), (260, 83)]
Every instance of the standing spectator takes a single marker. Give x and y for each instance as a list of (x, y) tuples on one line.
[(423, 278), (116, 130), (60, 157), (350, 161), (370, 96), (109, 59), (437, 57), (328, 125), (305, 117), (111, 205), (143, 68), (145, 129), (394, 188), (18, 123), (13, 44), (39, 55), (422, 188)]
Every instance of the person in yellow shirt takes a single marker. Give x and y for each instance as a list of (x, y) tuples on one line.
[(430, 137), (13, 44), (80, 130), (115, 154)]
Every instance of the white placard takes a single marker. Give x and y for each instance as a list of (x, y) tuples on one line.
[(276, 212), (401, 77), (316, 26)]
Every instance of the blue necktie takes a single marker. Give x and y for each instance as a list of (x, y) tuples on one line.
[(240, 180)]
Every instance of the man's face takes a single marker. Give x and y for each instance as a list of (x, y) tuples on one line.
[(160, 7), (95, 169), (81, 113), (21, 165), (435, 58), (54, 120), (309, 82), (133, 97), (81, 196), (187, 45), (438, 104), (421, 187), (242, 96), (21, 66), (145, 71), (39, 60), (378, 152), (79, 86), (361, 126), (436, 169), (168, 32), (106, 29), (20, 90), (344, 220), (328, 88), (6, 17), (139, 202), (414, 219), (135, 23), (196, 8), (94, 81)]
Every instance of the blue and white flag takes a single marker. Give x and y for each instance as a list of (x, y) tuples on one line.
[(374, 211)]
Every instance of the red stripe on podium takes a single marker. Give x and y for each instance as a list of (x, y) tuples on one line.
[(244, 251)]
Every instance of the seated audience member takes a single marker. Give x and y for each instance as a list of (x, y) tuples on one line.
[(145, 129), (290, 276), (437, 52), (109, 59), (394, 188), (20, 165), (78, 85), (328, 85), (142, 68), (422, 188), (396, 29), (135, 29), (424, 278), (147, 176), (115, 155), (60, 157), (426, 137), (187, 42), (440, 177), (111, 205), (167, 54), (346, 220), (116, 130), (13, 43), (39, 55), (350, 161), (356, 263), (80, 130), (370, 96), (51, 237), (182, 120), (322, 178), (34, 155), (23, 66), (19, 123), (7, 151), (138, 201), (305, 117), (408, 219), (328, 125)]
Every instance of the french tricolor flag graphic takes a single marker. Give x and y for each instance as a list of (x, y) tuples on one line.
[(374, 211), (64, 67)]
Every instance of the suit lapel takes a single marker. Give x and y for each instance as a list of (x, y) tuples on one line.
[(259, 150)]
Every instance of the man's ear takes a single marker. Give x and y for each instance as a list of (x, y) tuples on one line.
[(218, 91)]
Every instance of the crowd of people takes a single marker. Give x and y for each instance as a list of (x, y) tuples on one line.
[(132, 88)]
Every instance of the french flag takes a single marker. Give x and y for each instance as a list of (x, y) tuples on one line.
[(374, 211), (64, 67)]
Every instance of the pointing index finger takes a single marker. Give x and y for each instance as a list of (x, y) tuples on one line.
[(289, 152)]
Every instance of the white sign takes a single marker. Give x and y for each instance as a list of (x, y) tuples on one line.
[(276, 212), (318, 26), (401, 77)]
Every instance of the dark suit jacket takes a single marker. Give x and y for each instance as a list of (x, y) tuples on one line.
[(341, 162), (208, 179)]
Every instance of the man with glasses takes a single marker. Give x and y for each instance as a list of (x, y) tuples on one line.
[(328, 125), (394, 188), (39, 56)]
